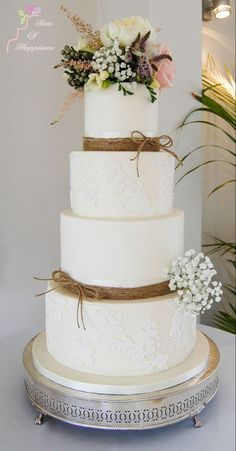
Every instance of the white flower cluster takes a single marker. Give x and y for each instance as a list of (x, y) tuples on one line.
[(191, 276), (112, 60)]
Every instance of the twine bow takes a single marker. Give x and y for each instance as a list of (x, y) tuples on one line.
[(160, 143), (136, 142), (94, 292), (63, 280)]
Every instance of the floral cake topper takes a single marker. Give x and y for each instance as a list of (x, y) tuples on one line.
[(124, 52)]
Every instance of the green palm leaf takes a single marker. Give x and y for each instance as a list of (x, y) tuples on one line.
[(203, 164), (220, 92), (208, 110), (217, 98), (232, 138), (230, 288), (222, 185), (222, 242), (221, 246), (226, 321), (222, 95), (205, 146), (215, 108)]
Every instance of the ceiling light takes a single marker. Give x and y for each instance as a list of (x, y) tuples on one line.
[(220, 8), (222, 11)]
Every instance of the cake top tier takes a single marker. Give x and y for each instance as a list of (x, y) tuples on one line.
[(107, 114), (123, 54)]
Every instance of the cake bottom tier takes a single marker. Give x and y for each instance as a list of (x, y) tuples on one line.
[(195, 364), (122, 338)]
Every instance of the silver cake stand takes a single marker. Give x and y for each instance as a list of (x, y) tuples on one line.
[(139, 411)]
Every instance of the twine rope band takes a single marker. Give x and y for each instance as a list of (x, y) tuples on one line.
[(137, 142), (95, 292)]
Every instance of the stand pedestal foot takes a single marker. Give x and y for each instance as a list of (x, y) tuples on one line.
[(197, 422), (40, 419)]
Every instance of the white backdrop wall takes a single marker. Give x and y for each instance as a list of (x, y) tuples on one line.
[(34, 155)]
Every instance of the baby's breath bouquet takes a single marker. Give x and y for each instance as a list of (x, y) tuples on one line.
[(191, 278), (124, 52)]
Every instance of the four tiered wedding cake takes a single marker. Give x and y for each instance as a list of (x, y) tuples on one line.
[(111, 309), (120, 232)]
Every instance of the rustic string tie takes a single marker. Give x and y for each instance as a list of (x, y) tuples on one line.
[(136, 142), (97, 292), (63, 280), (160, 143)]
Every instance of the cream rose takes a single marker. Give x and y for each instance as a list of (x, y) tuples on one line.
[(95, 81), (126, 30)]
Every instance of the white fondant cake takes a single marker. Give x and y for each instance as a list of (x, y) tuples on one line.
[(110, 114), (120, 253), (105, 184), (122, 338), (120, 232)]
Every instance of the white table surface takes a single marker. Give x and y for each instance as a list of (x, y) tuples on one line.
[(19, 433)]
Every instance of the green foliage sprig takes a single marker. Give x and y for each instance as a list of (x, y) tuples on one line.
[(218, 100)]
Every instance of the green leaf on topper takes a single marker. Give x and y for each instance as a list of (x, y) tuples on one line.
[(125, 91), (124, 51), (153, 93), (23, 16), (106, 84), (22, 13)]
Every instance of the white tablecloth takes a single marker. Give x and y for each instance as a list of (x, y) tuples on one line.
[(19, 433)]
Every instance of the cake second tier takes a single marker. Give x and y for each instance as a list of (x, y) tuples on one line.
[(120, 253), (106, 185)]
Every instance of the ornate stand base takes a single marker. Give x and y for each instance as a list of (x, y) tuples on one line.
[(136, 411)]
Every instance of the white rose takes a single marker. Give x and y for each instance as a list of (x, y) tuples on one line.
[(126, 30), (104, 74), (95, 80)]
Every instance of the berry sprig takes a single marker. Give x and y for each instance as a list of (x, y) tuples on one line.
[(78, 65)]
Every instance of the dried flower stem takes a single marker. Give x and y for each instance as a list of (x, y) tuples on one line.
[(70, 100), (86, 30), (58, 65)]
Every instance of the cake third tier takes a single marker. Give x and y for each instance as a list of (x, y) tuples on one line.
[(120, 253)]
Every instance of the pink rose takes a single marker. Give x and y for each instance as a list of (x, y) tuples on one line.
[(164, 68)]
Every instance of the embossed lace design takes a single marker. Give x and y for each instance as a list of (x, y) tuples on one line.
[(118, 191)]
